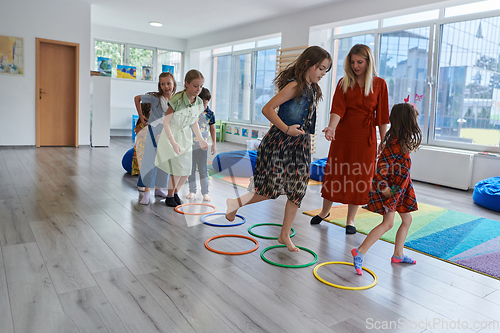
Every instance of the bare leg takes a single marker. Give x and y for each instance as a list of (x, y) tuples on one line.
[(401, 234), (351, 214), (326, 208), (377, 232), (171, 186), (284, 237), (234, 204)]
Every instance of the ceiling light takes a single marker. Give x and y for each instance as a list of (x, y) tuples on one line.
[(156, 24)]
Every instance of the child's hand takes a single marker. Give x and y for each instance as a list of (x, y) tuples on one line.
[(329, 133), (203, 144), (386, 192), (143, 119), (176, 147), (295, 130), (213, 148)]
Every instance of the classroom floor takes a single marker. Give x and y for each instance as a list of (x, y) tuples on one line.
[(80, 254)]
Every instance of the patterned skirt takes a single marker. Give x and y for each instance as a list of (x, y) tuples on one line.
[(282, 166)]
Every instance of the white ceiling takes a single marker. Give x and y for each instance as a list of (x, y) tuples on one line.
[(189, 18)]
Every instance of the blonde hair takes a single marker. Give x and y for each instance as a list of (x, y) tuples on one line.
[(193, 74), (349, 79)]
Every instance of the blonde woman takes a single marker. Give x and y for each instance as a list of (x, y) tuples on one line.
[(360, 104)]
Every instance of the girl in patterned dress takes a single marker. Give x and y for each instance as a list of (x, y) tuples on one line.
[(392, 189), (284, 155), (175, 145)]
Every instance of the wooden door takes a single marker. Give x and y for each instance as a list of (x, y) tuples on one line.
[(57, 66)]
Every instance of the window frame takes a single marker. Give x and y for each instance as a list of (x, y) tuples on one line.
[(126, 57), (435, 35)]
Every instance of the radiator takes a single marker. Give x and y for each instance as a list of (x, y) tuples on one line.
[(443, 166)]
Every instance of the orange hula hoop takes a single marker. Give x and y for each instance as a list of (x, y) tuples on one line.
[(232, 253), (198, 204)]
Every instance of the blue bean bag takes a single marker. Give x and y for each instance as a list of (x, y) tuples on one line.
[(318, 169), (487, 193), (127, 160), (239, 163)]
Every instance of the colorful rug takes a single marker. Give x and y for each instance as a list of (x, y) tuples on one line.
[(462, 239)]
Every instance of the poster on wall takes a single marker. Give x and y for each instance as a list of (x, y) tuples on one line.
[(11, 55), (244, 132), (236, 130), (147, 73), (255, 134), (229, 130), (126, 72), (167, 68), (104, 66)]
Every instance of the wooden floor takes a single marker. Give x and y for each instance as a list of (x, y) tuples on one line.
[(79, 254)]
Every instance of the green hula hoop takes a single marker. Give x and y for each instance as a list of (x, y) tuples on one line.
[(288, 266), (265, 237)]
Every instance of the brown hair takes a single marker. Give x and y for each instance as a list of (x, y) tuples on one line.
[(404, 127), (159, 93), (205, 94), (312, 56)]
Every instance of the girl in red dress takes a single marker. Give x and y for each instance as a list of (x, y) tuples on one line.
[(360, 104), (392, 189)]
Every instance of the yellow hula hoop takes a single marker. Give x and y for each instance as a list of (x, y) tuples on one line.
[(375, 280)]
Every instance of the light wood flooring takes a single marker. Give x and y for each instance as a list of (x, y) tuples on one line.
[(80, 254)]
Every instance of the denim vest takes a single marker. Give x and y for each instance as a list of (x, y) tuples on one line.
[(295, 111)]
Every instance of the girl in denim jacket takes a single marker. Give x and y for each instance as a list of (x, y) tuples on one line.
[(284, 155)]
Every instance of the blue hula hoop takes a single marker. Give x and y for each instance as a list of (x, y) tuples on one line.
[(223, 225)]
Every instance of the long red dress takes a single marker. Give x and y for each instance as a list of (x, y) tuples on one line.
[(351, 160)]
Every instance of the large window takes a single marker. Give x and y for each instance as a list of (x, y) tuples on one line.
[(113, 51), (402, 64), (242, 83), (469, 83), (149, 61), (456, 86)]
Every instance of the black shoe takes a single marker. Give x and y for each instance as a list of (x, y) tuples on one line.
[(170, 202), (317, 219), (350, 229), (177, 199)]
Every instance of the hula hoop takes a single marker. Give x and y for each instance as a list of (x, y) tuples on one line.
[(375, 280), (288, 266), (231, 253), (265, 237), (194, 203), (223, 225)]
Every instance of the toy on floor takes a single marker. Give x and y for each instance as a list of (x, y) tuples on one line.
[(238, 163), (487, 193), (127, 160), (318, 169)]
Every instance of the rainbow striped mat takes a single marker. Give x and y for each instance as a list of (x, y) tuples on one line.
[(463, 239)]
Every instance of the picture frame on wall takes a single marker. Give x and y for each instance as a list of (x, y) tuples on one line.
[(11, 55), (255, 134), (229, 130), (147, 73), (236, 130), (126, 72), (167, 68), (244, 132), (104, 66)]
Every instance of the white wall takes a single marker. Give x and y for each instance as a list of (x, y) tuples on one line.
[(50, 19)]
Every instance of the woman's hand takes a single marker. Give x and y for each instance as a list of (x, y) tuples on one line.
[(175, 146), (203, 144), (295, 130), (329, 133), (213, 148)]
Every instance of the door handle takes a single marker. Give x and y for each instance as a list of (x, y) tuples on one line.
[(41, 92)]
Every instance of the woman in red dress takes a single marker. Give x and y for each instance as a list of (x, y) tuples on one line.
[(360, 104)]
